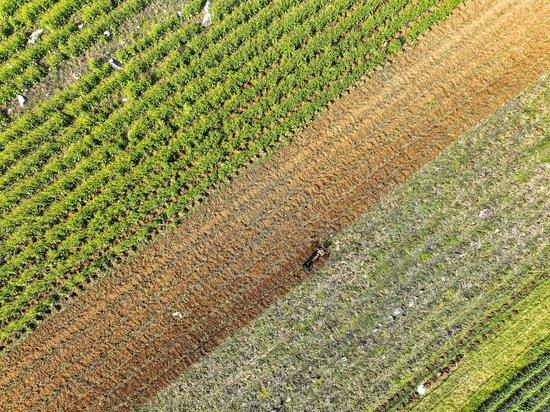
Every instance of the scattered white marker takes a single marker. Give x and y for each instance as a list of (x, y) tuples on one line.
[(207, 18), (114, 65), (107, 33), (421, 389), (21, 100), (34, 36), (80, 26), (177, 315)]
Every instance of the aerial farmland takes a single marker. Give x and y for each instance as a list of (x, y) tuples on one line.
[(274, 205)]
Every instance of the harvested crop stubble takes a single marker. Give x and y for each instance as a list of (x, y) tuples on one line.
[(120, 343)]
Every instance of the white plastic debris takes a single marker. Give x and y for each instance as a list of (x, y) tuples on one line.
[(485, 213), (114, 65), (207, 15), (80, 26), (398, 312), (107, 33), (177, 315), (9, 111), (179, 13), (21, 100), (421, 390), (34, 36)]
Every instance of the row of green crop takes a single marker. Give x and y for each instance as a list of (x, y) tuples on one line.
[(95, 87), (157, 99), (52, 14), (207, 166), (524, 390), (28, 65), (137, 76), (145, 147), (125, 114)]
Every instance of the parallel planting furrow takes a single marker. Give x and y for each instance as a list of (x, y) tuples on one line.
[(58, 238)]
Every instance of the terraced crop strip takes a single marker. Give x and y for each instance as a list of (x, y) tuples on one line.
[(93, 172)]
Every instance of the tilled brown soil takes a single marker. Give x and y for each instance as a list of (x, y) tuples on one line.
[(120, 342)]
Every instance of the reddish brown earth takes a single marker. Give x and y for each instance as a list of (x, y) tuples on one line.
[(120, 342)]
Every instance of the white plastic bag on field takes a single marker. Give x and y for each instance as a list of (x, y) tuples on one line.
[(114, 65), (21, 100), (207, 15), (34, 36)]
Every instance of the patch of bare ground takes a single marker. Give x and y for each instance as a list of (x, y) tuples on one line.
[(122, 341)]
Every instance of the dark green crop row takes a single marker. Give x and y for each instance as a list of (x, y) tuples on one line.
[(36, 167), (98, 84), (206, 131)]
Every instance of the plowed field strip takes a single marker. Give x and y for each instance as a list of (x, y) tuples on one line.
[(245, 248)]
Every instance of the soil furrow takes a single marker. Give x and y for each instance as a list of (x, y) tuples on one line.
[(253, 236)]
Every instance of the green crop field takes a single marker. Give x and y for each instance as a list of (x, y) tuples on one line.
[(528, 390), (92, 172), (447, 272), (520, 350), (274, 205)]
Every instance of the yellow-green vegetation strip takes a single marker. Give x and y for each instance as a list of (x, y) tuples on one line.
[(522, 340), (413, 286), (526, 390), (92, 186)]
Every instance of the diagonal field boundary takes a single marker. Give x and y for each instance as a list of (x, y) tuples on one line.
[(120, 343)]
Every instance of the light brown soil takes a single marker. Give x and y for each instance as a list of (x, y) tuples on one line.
[(119, 343)]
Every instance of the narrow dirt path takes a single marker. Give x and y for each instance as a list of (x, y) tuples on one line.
[(119, 343)]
